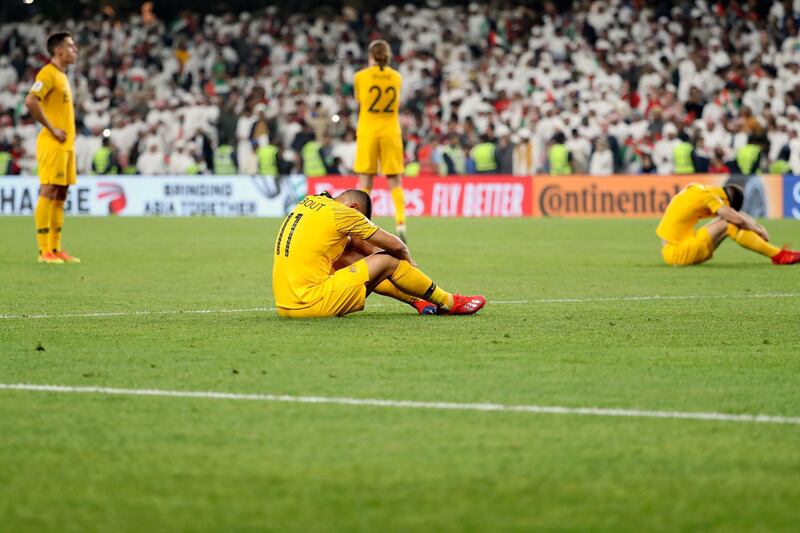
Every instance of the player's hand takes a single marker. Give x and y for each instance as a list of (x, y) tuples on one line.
[(61, 135), (762, 232)]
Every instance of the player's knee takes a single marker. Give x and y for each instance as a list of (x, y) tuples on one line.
[(382, 265), (391, 263), (48, 191)]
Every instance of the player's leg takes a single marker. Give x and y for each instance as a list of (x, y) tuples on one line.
[(751, 240), (49, 164), (386, 287), (717, 230), (41, 216), (57, 218), (57, 211), (366, 162), (365, 182), (391, 158), (411, 280), (399, 200)]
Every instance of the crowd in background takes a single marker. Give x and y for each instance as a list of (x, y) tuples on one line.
[(606, 87)]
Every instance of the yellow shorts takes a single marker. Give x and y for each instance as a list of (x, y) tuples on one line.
[(56, 167), (382, 155), (344, 292), (696, 249)]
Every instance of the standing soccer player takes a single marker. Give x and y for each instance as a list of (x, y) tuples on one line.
[(379, 142), (50, 104)]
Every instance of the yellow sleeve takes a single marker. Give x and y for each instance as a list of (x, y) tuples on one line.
[(355, 86), (350, 222), (43, 84), (713, 202)]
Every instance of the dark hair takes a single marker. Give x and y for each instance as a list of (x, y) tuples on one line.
[(380, 52), (366, 200), (55, 40), (361, 197), (735, 196)]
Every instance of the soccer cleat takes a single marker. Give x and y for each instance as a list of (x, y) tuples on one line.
[(425, 308), (65, 257), (401, 232), (50, 258), (786, 257), (466, 305)]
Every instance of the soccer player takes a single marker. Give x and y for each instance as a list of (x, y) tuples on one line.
[(682, 245), (50, 104), (325, 266), (379, 143)]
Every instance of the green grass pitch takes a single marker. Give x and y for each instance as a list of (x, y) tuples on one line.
[(93, 462)]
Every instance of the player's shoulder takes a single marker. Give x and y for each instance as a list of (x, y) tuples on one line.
[(697, 187), (705, 188), (46, 70)]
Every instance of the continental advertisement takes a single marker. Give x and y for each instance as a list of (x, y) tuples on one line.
[(644, 196)]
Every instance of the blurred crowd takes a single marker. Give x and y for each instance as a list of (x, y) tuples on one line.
[(604, 87)]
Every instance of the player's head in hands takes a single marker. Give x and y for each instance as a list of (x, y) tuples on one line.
[(735, 196)]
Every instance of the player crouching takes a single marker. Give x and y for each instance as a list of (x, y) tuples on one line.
[(682, 245)]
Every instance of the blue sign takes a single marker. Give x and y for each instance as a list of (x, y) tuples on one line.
[(791, 196)]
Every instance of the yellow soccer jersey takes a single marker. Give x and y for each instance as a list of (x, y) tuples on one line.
[(310, 239), (694, 202), (52, 88), (378, 96)]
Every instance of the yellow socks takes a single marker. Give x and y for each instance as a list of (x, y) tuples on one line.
[(387, 288), (399, 198), (751, 241), (56, 223), (41, 217), (412, 281)]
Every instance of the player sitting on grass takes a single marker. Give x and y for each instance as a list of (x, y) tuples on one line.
[(329, 256), (682, 245)]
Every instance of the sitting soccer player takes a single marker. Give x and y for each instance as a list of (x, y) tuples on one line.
[(329, 257), (682, 245)]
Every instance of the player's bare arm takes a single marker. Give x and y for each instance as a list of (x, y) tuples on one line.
[(392, 245), (35, 107), (361, 246), (742, 220)]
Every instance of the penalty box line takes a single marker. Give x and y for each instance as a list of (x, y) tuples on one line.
[(650, 298), (409, 404)]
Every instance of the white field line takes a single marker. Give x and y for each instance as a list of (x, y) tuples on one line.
[(111, 314), (407, 404), (104, 314), (757, 296)]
